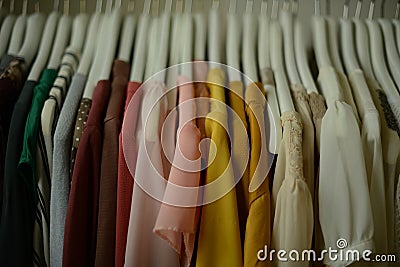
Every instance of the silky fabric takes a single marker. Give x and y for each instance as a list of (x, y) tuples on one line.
[(343, 184), (11, 80), (240, 151), (200, 70), (219, 234), (52, 106), (258, 233), (17, 217), (80, 122), (141, 240), (178, 224), (391, 161), (82, 213), (372, 147), (60, 183), (300, 100), (318, 109), (106, 225), (125, 178), (293, 217)]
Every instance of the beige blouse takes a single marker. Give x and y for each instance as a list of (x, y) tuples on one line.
[(300, 100), (391, 163), (293, 218)]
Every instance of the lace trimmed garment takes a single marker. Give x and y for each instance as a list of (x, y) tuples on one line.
[(391, 163), (300, 100), (293, 218)]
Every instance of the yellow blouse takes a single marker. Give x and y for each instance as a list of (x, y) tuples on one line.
[(219, 236)]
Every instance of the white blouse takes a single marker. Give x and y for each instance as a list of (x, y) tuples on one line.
[(345, 211)]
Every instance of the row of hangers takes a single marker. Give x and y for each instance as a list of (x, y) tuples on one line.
[(168, 40)]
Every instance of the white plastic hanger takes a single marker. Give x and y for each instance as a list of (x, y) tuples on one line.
[(200, 33), (378, 54), (362, 43), (187, 51), (140, 49), (301, 58), (347, 41), (45, 46), (62, 38), (105, 52), (264, 60), (320, 38), (214, 34), (164, 30), (249, 57), (91, 40), (152, 51), (32, 37), (174, 56), (6, 29), (18, 32), (396, 24), (333, 31), (286, 20), (127, 35), (277, 62), (392, 55), (233, 40), (79, 27)]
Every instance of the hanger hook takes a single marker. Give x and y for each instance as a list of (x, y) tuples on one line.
[(37, 6), (346, 9), (317, 5), (168, 6), (249, 6), (25, 7), (66, 7), (82, 6), (131, 6), (232, 6), (295, 6), (146, 7), (109, 6), (358, 9), (215, 4), (396, 16), (371, 9), (99, 6), (264, 7), (286, 5), (275, 6), (188, 6)]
